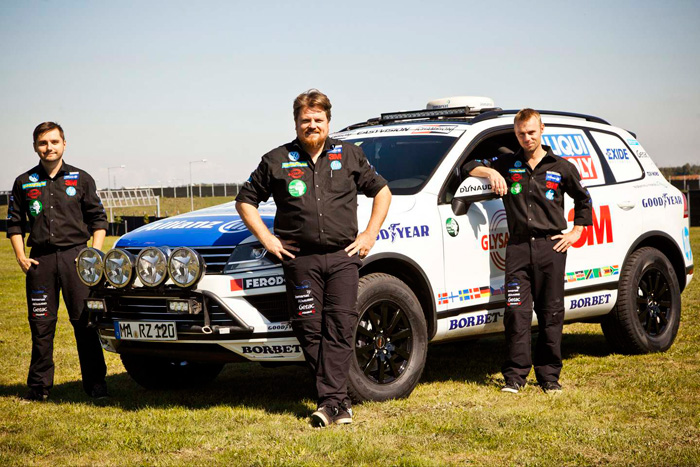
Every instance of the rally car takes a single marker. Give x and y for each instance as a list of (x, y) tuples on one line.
[(179, 298)]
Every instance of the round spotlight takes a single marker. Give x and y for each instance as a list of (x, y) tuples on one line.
[(185, 267), (152, 266), (90, 266), (119, 268)]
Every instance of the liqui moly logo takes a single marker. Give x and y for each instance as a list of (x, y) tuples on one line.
[(573, 148)]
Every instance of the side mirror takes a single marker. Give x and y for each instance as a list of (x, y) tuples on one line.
[(472, 190)]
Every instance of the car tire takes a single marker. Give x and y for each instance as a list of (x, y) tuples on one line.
[(163, 373), (391, 340), (648, 310)]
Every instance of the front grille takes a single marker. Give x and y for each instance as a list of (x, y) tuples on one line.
[(271, 306), (156, 309), (214, 256)]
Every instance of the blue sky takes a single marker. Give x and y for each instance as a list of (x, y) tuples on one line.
[(156, 84)]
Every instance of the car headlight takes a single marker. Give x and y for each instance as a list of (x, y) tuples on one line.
[(90, 266), (185, 267), (248, 257), (152, 266), (119, 268)]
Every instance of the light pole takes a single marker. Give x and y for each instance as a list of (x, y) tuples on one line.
[(192, 194), (109, 190)]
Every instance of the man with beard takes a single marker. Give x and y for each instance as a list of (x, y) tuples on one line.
[(314, 181), (533, 182)]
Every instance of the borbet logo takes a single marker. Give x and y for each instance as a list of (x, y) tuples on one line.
[(600, 232)]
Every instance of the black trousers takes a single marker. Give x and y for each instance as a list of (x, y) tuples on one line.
[(534, 276), (322, 297), (56, 271)]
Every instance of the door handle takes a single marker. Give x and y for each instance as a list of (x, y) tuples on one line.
[(626, 205)]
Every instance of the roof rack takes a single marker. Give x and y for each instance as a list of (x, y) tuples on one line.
[(497, 113), (452, 113)]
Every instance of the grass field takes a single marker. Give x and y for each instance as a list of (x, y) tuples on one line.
[(615, 409)]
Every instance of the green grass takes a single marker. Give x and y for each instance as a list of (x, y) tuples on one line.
[(168, 206), (621, 410)]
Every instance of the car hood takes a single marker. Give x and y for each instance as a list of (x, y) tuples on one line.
[(222, 226)]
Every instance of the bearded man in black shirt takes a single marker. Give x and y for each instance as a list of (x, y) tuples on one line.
[(60, 201), (533, 182), (314, 181)]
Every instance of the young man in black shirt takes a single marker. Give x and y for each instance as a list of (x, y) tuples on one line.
[(314, 181), (61, 204), (533, 182)]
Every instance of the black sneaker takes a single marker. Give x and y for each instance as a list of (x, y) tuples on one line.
[(35, 396), (99, 392), (344, 415), (551, 387), (324, 416), (512, 386)]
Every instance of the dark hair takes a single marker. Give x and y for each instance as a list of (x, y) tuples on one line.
[(526, 114), (47, 126), (312, 98)]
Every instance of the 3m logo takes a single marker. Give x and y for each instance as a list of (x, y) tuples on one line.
[(598, 233)]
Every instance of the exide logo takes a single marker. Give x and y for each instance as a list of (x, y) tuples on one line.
[(598, 233)]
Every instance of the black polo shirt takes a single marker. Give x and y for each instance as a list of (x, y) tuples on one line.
[(535, 199), (63, 211), (316, 203)]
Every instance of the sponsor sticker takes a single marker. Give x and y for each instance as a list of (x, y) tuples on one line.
[(687, 251), (601, 299), (616, 154), (573, 147), (594, 273), (336, 165), (518, 164), (335, 157), (70, 191), (296, 188), (516, 188), (35, 207), (452, 227), (33, 193), (553, 177), (71, 176), (517, 177), (296, 173), (71, 182), (34, 185), (497, 239), (290, 165), (293, 156), (549, 195), (516, 171), (632, 142), (271, 349), (396, 231), (34, 177), (662, 201), (475, 320)]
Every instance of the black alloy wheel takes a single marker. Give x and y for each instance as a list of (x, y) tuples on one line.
[(654, 302)]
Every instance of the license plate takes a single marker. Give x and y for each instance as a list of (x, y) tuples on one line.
[(145, 331)]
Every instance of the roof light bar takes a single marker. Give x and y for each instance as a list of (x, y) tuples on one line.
[(417, 114)]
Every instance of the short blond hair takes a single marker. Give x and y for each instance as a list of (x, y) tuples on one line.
[(526, 114)]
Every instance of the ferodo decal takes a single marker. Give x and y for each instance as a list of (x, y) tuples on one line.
[(602, 299), (33, 193), (475, 320), (497, 239), (594, 273), (395, 231), (256, 282), (600, 232), (296, 173), (573, 148)]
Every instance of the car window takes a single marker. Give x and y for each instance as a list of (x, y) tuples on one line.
[(620, 158), (573, 145), (406, 161)]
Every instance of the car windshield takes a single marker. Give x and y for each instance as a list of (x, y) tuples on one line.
[(405, 161)]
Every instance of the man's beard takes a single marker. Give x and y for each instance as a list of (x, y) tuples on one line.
[(313, 143)]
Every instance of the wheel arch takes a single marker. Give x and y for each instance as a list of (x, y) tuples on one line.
[(407, 270), (666, 245)]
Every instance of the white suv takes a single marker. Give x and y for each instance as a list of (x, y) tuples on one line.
[(435, 273)]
